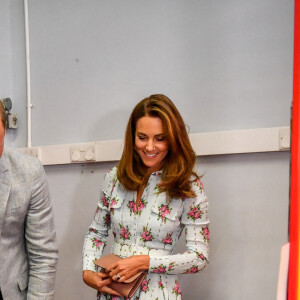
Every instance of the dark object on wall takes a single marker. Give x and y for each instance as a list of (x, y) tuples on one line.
[(11, 119)]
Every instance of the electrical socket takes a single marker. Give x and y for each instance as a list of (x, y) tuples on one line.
[(12, 121), (83, 152), (284, 138)]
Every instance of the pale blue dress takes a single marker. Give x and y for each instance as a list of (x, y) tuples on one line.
[(153, 229)]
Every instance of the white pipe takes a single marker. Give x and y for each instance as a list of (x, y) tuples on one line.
[(28, 84)]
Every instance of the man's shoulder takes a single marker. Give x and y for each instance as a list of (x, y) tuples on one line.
[(18, 160)]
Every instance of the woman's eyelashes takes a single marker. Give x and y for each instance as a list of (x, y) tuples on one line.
[(157, 138), (142, 137), (160, 138)]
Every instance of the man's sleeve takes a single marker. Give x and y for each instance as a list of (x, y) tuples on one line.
[(40, 239)]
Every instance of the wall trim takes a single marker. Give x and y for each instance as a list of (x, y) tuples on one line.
[(208, 143)]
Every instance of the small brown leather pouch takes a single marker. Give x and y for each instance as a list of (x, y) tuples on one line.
[(126, 288)]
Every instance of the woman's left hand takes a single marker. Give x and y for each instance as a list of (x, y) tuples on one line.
[(127, 267)]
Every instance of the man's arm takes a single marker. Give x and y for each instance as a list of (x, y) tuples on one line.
[(40, 239)]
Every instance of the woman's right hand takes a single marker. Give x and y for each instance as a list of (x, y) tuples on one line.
[(98, 281)]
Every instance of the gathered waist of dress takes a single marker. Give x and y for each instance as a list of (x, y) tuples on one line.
[(126, 250)]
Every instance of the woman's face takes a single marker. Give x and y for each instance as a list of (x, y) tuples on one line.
[(150, 142)]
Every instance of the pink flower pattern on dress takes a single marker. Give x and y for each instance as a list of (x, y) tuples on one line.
[(195, 212), (132, 207), (201, 256), (176, 289), (205, 232), (104, 201), (160, 269), (134, 210), (193, 269), (171, 266), (108, 171), (163, 211), (157, 189), (146, 235), (91, 229), (161, 285), (106, 219), (113, 202), (124, 233), (96, 243), (199, 184), (97, 210), (168, 239), (114, 179), (145, 285), (114, 184)]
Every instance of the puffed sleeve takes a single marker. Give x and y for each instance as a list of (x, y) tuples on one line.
[(195, 222), (96, 237)]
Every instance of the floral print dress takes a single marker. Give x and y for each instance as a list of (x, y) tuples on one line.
[(151, 229)]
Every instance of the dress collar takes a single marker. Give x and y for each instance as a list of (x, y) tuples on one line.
[(157, 173)]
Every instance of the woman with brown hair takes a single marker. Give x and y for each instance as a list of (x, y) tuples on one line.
[(148, 200)]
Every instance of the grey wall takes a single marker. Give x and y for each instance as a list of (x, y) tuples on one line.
[(12, 65), (227, 65)]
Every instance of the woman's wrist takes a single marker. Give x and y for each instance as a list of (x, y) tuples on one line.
[(86, 275), (145, 261)]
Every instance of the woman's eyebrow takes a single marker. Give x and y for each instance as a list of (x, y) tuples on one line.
[(141, 133)]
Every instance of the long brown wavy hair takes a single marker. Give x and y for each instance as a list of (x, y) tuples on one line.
[(177, 166), (2, 115)]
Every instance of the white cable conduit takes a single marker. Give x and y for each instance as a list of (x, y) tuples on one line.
[(28, 78), (208, 143)]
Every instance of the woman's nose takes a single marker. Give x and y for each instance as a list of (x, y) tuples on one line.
[(149, 146)]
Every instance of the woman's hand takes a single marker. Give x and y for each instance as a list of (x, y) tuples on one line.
[(98, 281), (127, 267)]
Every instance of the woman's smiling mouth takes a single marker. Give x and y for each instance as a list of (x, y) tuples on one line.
[(150, 155)]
